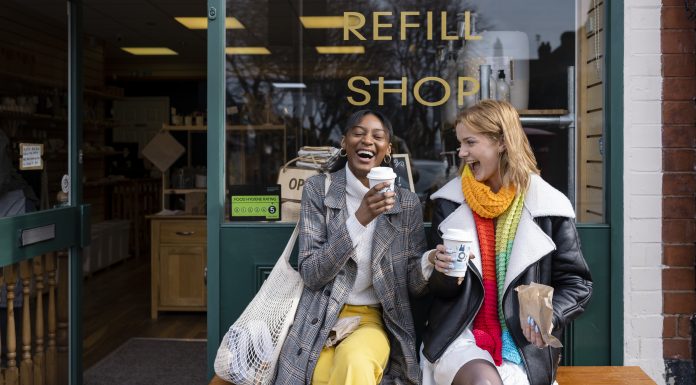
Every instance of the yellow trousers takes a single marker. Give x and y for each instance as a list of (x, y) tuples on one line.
[(361, 357)]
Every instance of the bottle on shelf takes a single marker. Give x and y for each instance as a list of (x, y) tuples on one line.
[(502, 88)]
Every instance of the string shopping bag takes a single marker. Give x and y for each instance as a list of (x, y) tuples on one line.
[(249, 350)]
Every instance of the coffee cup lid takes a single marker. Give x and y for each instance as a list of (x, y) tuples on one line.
[(458, 235), (381, 173)]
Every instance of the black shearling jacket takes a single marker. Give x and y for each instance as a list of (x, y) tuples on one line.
[(559, 264)]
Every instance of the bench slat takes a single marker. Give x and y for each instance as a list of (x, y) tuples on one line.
[(602, 375)]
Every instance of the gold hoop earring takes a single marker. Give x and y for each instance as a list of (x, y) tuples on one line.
[(343, 153), (385, 159)]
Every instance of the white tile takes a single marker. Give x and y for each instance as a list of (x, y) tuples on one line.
[(645, 65), (644, 112), (650, 327), (645, 159), (645, 135), (646, 230), (646, 88), (644, 41), (628, 5), (643, 183), (646, 279), (645, 18), (646, 303), (641, 254)]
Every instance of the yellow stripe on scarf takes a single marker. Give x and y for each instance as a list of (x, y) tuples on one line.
[(482, 200)]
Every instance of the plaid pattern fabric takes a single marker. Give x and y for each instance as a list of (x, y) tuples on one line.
[(327, 265)]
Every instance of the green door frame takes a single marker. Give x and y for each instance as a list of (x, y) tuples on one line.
[(71, 222), (612, 232)]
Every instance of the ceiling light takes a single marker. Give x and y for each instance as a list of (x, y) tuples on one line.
[(346, 49), (247, 51), (327, 21), (149, 50), (289, 85), (202, 22)]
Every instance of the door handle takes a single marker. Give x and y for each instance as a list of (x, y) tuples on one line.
[(185, 233)]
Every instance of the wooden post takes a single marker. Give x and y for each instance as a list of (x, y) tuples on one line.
[(27, 366), (39, 355), (51, 352), (62, 312), (11, 372)]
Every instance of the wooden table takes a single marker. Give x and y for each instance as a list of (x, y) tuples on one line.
[(602, 375)]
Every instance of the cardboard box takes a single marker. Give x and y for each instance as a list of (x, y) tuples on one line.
[(195, 203)]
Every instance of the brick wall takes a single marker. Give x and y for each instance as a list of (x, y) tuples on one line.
[(679, 187), (643, 321)]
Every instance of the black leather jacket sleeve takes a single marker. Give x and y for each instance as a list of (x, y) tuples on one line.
[(571, 278)]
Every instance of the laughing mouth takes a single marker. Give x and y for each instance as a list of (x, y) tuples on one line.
[(366, 154)]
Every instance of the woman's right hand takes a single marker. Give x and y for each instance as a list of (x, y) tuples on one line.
[(375, 203), (442, 261)]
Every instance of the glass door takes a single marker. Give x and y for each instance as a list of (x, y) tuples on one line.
[(43, 223)]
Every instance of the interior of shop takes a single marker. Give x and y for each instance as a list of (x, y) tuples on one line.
[(144, 121)]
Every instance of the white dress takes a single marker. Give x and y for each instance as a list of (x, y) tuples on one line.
[(462, 350)]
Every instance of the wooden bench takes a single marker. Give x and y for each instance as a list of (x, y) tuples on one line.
[(578, 375)]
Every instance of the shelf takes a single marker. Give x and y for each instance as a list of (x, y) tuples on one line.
[(553, 112), (182, 190), (16, 115), (51, 83), (241, 127)]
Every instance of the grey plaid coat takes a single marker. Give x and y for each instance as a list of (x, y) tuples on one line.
[(327, 266)]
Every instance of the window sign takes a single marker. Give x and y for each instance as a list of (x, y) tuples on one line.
[(31, 156)]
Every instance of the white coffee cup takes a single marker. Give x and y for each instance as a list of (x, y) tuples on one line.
[(458, 244), (382, 174)]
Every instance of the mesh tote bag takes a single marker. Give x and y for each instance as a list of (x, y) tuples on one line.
[(249, 350)]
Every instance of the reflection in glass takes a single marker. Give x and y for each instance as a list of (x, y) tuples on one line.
[(419, 62)]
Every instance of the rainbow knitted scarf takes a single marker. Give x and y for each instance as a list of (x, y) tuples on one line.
[(490, 330)]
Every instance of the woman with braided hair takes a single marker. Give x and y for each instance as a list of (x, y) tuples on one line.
[(525, 232)]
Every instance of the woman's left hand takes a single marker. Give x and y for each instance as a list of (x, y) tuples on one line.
[(531, 332)]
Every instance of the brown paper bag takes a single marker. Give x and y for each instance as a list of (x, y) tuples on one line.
[(343, 328), (536, 300)]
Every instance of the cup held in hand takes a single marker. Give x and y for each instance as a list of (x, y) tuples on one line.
[(378, 175), (458, 244)]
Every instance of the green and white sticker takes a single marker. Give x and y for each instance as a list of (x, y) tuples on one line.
[(267, 206)]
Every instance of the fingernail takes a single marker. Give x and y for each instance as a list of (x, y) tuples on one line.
[(529, 320), (451, 266), (536, 328)]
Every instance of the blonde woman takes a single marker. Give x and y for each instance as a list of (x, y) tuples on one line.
[(525, 232)]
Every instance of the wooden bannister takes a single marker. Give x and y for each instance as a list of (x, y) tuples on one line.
[(42, 362)]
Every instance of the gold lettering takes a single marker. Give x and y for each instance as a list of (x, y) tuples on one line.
[(461, 93), (443, 27), (405, 24), (467, 27), (417, 86), (376, 25), (366, 82), (382, 90), (350, 25), (429, 25)]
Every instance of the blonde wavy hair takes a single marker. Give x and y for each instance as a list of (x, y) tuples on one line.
[(500, 122)]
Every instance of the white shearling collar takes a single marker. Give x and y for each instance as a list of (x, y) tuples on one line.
[(541, 198)]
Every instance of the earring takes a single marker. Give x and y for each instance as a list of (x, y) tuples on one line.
[(385, 159), (343, 153)]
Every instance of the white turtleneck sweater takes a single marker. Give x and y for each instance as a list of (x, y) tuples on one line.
[(363, 291)]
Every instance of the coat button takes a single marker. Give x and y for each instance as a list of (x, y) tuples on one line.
[(299, 352), (341, 272), (327, 292), (391, 309), (314, 322)]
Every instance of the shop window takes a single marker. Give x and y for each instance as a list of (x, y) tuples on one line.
[(295, 71)]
